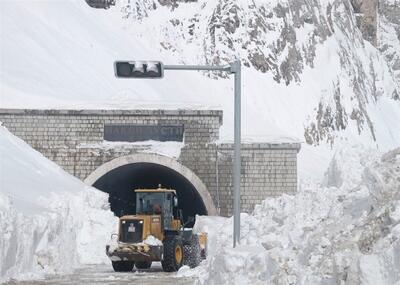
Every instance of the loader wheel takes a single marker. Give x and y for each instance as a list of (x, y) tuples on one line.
[(143, 264), (192, 252), (122, 266), (173, 254)]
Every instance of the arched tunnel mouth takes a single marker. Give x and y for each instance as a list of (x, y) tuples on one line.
[(121, 182)]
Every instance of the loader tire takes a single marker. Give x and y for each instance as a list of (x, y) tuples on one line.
[(173, 254), (192, 252), (122, 266), (143, 264)]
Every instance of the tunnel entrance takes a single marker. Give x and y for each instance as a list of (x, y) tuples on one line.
[(121, 182)]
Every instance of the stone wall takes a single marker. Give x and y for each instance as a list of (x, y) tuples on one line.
[(267, 170), (73, 127), (69, 137), (73, 139)]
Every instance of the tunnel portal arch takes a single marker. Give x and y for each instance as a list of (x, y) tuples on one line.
[(121, 175)]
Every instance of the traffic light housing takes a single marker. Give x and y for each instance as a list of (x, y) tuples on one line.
[(139, 69)]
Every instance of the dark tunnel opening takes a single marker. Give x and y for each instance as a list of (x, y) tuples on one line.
[(121, 182)]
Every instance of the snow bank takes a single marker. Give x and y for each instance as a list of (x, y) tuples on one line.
[(81, 44), (50, 222), (323, 235), (169, 148)]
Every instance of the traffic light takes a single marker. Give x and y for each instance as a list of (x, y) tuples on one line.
[(139, 69)]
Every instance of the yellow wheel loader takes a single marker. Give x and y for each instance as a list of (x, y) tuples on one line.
[(156, 233)]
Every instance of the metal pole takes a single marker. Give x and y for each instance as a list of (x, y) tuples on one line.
[(236, 69), (217, 179), (198, 67)]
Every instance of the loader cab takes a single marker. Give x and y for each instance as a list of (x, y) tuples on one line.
[(161, 202)]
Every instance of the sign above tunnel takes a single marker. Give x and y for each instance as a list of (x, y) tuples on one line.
[(137, 133)]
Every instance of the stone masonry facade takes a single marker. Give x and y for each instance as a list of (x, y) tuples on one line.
[(267, 170), (71, 139)]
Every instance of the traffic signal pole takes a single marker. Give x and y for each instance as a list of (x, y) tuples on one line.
[(236, 69), (233, 68)]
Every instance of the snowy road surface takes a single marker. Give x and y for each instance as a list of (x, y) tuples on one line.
[(103, 274)]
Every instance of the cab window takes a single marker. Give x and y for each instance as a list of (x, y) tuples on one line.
[(150, 203)]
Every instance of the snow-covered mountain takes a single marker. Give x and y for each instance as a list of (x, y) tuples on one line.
[(291, 42), (389, 35), (307, 72)]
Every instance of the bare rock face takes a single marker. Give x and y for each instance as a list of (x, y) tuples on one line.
[(330, 118), (366, 13), (137, 10), (247, 30), (281, 39), (389, 37)]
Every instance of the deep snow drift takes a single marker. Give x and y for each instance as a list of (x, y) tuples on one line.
[(50, 222), (322, 235)]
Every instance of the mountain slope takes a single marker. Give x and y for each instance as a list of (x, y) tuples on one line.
[(292, 43), (389, 36), (307, 72)]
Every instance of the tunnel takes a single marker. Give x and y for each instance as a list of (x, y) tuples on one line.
[(119, 178)]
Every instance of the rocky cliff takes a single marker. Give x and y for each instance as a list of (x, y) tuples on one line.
[(389, 35), (285, 40)]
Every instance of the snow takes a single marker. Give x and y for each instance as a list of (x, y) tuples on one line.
[(60, 54), (389, 41), (345, 229), (50, 222), (322, 235), (151, 240), (271, 138), (392, 2), (170, 149)]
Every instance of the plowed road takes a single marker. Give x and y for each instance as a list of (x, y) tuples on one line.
[(102, 274)]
